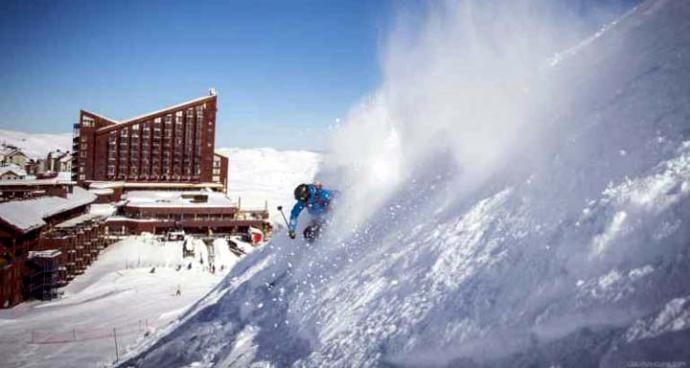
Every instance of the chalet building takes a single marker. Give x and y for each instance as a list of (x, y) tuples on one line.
[(200, 212), (13, 155), (58, 161), (11, 173), (34, 188), (32, 260), (173, 145), (35, 167)]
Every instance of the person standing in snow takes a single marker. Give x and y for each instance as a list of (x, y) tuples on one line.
[(317, 201)]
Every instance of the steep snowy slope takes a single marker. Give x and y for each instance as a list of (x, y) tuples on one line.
[(536, 219)]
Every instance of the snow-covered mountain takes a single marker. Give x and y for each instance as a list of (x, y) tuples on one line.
[(265, 176), (36, 145), (536, 218)]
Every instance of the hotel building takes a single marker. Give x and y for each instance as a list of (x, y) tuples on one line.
[(172, 145)]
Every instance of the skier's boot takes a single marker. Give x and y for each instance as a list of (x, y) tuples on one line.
[(312, 232)]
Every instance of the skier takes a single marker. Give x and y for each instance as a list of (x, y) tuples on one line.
[(317, 200)]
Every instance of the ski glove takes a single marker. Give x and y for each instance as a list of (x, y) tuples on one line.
[(291, 234)]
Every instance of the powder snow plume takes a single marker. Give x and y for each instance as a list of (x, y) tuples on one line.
[(516, 194)]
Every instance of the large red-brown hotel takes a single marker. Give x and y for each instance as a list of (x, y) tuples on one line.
[(173, 145)]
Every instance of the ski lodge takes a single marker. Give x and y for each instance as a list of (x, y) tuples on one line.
[(199, 212), (46, 240)]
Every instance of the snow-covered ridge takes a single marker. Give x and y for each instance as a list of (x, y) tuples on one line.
[(265, 176), (37, 145)]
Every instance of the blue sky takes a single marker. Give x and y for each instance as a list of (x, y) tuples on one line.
[(284, 71)]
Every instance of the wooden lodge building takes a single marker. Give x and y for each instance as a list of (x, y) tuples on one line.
[(33, 262), (201, 212)]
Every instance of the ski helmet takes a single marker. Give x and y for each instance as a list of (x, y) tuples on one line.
[(302, 192)]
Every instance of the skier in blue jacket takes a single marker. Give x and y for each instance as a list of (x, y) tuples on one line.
[(317, 200)]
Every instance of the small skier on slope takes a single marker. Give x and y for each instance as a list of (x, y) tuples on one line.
[(317, 200)]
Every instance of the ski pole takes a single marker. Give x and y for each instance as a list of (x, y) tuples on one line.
[(280, 208)]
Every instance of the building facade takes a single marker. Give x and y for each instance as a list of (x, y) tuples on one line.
[(175, 144), (45, 241), (194, 212)]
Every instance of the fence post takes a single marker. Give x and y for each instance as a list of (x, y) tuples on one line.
[(74, 334), (33, 339), (117, 354)]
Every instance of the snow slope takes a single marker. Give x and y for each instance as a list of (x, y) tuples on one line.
[(547, 224), (37, 145)]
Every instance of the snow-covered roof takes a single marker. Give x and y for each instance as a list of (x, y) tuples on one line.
[(30, 214), (104, 191), (155, 112), (12, 168), (10, 151), (177, 199), (135, 185), (50, 253), (79, 220), (31, 180), (101, 116)]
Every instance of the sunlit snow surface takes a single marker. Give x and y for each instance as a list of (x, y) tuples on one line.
[(261, 177), (36, 145), (118, 291), (577, 259)]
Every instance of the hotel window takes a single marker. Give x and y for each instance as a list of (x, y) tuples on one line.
[(123, 133), (87, 122), (178, 117), (146, 132)]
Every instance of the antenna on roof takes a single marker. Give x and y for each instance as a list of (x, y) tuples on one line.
[(211, 91)]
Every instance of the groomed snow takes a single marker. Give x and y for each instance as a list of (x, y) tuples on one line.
[(117, 291)]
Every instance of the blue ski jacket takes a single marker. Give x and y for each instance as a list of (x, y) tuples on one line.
[(317, 204)]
